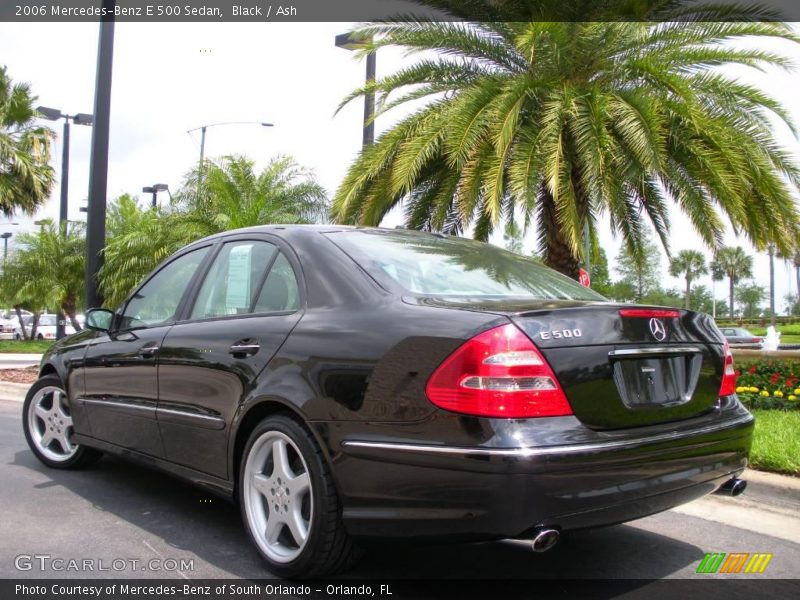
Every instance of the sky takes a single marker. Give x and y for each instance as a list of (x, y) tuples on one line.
[(169, 78)]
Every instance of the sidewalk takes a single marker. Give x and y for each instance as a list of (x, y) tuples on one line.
[(18, 361)]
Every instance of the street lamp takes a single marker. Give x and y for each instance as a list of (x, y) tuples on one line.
[(202, 130), (53, 114), (349, 41), (154, 189), (5, 235)]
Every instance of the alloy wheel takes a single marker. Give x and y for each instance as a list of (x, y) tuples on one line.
[(50, 424), (278, 496)]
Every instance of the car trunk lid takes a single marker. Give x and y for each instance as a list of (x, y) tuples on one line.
[(621, 365)]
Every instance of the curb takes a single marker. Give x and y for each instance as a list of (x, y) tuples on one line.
[(14, 392), (779, 484)]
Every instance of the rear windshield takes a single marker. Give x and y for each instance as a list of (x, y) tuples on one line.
[(432, 265)]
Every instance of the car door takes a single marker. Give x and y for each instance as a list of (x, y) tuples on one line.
[(120, 367), (242, 312)]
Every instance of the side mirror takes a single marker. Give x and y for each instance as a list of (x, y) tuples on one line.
[(99, 319)]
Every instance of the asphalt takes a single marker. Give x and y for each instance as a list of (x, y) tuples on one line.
[(120, 510)]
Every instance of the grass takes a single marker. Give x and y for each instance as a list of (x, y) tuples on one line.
[(776, 444), (23, 347)]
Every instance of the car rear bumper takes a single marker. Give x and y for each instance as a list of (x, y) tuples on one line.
[(396, 489)]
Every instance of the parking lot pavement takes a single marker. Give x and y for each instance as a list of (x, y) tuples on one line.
[(116, 510)]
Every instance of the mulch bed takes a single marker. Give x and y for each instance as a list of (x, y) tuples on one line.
[(27, 375)]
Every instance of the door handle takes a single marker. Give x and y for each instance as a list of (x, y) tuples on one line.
[(148, 351), (245, 347)]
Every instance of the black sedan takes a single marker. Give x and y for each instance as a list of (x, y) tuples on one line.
[(346, 383)]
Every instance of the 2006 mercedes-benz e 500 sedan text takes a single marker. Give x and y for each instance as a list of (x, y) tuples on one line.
[(343, 383)]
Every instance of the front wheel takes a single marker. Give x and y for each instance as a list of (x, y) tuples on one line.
[(47, 422), (289, 503)]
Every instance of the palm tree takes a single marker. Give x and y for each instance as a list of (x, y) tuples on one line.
[(691, 264), (234, 196), (138, 239), (48, 269), (717, 274), (566, 121), (26, 178), (737, 265)]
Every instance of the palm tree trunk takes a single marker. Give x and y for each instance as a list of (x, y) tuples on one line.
[(34, 324), (557, 253), (68, 308), (24, 332), (772, 286), (730, 278), (797, 273), (688, 292)]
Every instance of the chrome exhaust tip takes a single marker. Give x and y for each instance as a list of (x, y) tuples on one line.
[(544, 539), (733, 487)]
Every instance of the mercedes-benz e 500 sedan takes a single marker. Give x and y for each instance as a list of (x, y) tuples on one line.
[(344, 383)]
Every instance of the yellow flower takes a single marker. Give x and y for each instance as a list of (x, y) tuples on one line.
[(778, 394), (765, 393), (797, 391), (792, 398), (740, 389), (755, 389)]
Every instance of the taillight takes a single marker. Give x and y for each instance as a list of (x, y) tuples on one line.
[(728, 386), (498, 373)]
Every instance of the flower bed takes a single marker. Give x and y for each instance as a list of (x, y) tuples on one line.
[(769, 384)]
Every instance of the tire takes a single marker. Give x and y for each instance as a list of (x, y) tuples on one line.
[(39, 336), (45, 409), (17, 336), (281, 504)]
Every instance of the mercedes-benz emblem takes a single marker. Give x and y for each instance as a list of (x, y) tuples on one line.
[(657, 329)]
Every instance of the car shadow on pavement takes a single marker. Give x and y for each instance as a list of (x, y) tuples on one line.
[(190, 520)]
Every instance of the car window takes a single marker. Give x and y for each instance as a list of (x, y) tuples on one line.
[(47, 320), (233, 279), (431, 265), (157, 300), (728, 332), (280, 292)]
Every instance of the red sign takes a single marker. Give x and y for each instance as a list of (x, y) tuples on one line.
[(583, 278)]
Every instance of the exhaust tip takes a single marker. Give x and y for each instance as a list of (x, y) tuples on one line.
[(733, 487), (544, 539)]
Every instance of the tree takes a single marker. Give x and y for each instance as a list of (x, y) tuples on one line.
[(792, 305), (232, 195), (138, 239), (691, 264), (26, 178), (750, 296), (601, 282), (717, 274), (701, 299), (642, 270), (512, 238), (565, 120), (662, 297), (47, 269), (737, 265)]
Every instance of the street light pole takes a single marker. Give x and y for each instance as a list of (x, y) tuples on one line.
[(5, 237), (154, 189), (348, 41), (53, 114), (203, 129), (98, 175)]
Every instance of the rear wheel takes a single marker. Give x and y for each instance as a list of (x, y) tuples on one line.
[(289, 503), (47, 422)]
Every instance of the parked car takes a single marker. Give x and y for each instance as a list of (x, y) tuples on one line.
[(45, 327), (9, 322), (347, 383), (738, 335)]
